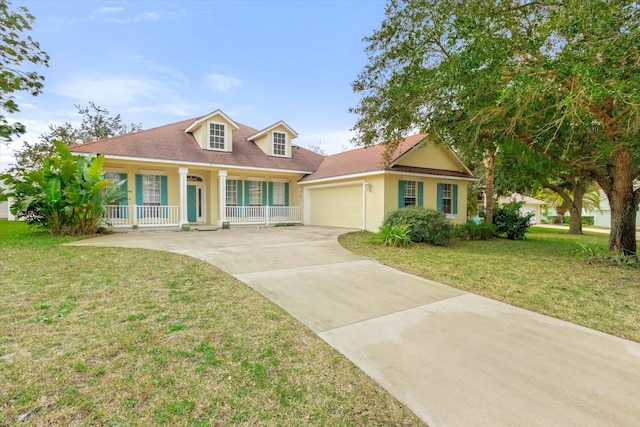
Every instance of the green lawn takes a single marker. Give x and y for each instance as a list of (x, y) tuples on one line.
[(539, 274), (98, 336)]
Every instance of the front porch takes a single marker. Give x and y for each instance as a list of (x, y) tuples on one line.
[(120, 216)]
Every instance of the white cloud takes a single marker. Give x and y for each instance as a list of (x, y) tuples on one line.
[(221, 83), (148, 16), (107, 9), (113, 91)]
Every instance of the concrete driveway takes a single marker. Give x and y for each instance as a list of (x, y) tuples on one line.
[(455, 358)]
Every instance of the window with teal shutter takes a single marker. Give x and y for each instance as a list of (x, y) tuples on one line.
[(270, 203), (151, 190), (410, 193), (447, 195)]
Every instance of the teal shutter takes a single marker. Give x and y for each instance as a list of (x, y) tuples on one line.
[(286, 194), (455, 199), (164, 200), (246, 193), (124, 200), (420, 194), (401, 194), (138, 189), (264, 193), (270, 193), (439, 196), (239, 192), (125, 197)]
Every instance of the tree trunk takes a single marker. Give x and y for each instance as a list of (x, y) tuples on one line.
[(575, 222), (559, 215), (490, 176), (624, 205)]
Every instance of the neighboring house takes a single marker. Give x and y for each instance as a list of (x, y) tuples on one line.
[(531, 205), (212, 170), (4, 207), (4, 210), (602, 218)]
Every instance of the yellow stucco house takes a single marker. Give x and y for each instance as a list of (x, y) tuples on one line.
[(212, 170)]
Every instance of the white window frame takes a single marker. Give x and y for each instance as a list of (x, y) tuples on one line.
[(277, 196), (410, 193), (151, 190), (255, 193), (232, 192), (216, 141), (279, 146), (447, 198)]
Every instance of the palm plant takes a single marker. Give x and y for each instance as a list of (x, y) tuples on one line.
[(68, 195), (590, 201)]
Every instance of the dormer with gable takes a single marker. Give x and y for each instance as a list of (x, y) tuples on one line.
[(214, 131), (275, 140)]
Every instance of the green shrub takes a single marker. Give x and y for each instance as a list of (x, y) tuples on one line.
[(393, 235), (588, 220), (68, 195), (425, 225), (510, 222), (474, 231), (594, 254)]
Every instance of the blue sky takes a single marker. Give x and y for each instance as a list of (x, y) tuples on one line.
[(158, 62)]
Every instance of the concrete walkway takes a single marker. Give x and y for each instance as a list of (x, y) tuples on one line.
[(455, 358)]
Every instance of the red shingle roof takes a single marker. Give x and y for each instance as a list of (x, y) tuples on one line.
[(172, 143), (370, 159)]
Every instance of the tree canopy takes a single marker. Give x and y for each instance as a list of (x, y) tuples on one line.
[(16, 51), (559, 78)]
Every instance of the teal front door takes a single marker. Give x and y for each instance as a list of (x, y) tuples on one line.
[(192, 212)]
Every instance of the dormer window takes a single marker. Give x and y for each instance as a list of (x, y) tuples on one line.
[(279, 144), (216, 136)]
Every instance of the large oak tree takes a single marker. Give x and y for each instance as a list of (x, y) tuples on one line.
[(557, 76)]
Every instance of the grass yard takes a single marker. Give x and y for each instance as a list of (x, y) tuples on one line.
[(539, 274), (98, 336)]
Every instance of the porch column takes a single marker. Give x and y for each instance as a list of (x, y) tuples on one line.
[(222, 196), (183, 195)]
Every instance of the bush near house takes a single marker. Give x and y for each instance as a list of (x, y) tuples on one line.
[(425, 225), (510, 222), (474, 231), (586, 220), (393, 235)]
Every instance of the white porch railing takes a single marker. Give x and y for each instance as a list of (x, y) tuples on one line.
[(263, 214), (142, 216), (157, 216)]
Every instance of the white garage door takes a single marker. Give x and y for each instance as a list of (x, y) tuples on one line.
[(336, 206), (529, 209)]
